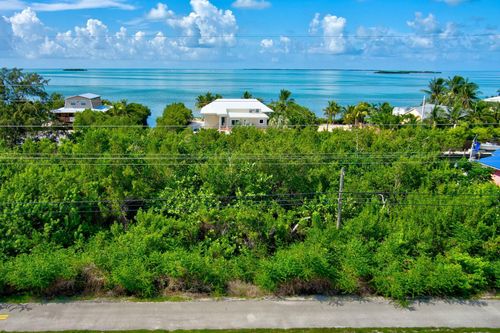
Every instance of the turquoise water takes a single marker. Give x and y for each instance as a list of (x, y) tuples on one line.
[(312, 88)]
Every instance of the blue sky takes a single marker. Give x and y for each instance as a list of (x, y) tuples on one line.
[(364, 34)]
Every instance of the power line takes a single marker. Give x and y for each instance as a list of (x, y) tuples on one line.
[(372, 194)]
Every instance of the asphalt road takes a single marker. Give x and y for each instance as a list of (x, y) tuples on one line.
[(226, 314)]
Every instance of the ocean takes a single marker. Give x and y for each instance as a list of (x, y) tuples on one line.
[(312, 88)]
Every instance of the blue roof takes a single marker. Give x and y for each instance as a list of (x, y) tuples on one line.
[(493, 161)]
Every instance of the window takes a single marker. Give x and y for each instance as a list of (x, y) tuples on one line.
[(73, 103), (83, 103), (261, 121), (235, 122)]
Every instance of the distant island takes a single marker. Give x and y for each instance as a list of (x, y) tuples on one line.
[(406, 72), (74, 70)]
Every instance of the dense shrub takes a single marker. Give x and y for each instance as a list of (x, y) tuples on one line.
[(37, 271), (146, 212)]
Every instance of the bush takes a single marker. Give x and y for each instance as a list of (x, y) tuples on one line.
[(300, 263), (37, 271)]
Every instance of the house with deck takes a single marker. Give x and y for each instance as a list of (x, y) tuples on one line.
[(79, 103), (225, 114)]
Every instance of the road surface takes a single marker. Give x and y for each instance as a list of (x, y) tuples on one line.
[(227, 314)]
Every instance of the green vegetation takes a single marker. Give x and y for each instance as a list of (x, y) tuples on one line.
[(176, 114), (149, 212)]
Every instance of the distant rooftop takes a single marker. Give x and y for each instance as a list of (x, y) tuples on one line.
[(87, 95), (222, 105)]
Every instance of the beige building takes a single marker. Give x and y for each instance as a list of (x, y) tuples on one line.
[(79, 103), (224, 114)]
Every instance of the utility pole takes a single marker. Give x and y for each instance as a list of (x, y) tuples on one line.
[(339, 205), (472, 149)]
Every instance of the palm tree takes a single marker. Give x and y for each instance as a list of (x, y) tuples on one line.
[(454, 114), (204, 100), (436, 90), (356, 114), (331, 111), (436, 115), (281, 108), (247, 95), (284, 101), (468, 94)]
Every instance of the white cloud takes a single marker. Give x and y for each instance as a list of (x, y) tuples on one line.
[(251, 4), (332, 28), (428, 25), (11, 4), (81, 4), (315, 24), (206, 25), (26, 25), (282, 46), (26, 36), (267, 43), (65, 5), (160, 12)]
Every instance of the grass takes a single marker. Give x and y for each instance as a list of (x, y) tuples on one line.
[(325, 330)]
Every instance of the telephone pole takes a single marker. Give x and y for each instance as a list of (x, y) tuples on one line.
[(473, 148), (339, 205)]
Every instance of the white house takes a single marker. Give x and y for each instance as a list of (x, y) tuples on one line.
[(224, 114), (79, 103), (420, 112), (495, 99)]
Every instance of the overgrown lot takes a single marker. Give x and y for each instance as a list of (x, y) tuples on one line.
[(154, 212)]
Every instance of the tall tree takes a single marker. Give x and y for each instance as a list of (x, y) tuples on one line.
[(17, 86), (356, 115), (331, 111), (436, 90), (247, 95)]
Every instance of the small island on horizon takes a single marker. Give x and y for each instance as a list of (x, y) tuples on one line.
[(406, 72), (74, 70)]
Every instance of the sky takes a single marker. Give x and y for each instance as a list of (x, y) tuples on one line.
[(323, 34)]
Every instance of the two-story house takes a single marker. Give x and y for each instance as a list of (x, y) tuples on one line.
[(79, 103), (224, 114)]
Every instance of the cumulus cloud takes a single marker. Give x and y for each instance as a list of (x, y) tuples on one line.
[(251, 4), (206, 25), (160, 12), (27, 36), (283, 45), (332, 28), (26, 25), (422, 24)]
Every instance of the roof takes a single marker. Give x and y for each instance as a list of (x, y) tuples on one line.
[(223, 106), (492, 161), (102, 108), (492, 99), (87, 95), (417, 110), (247, 115)]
